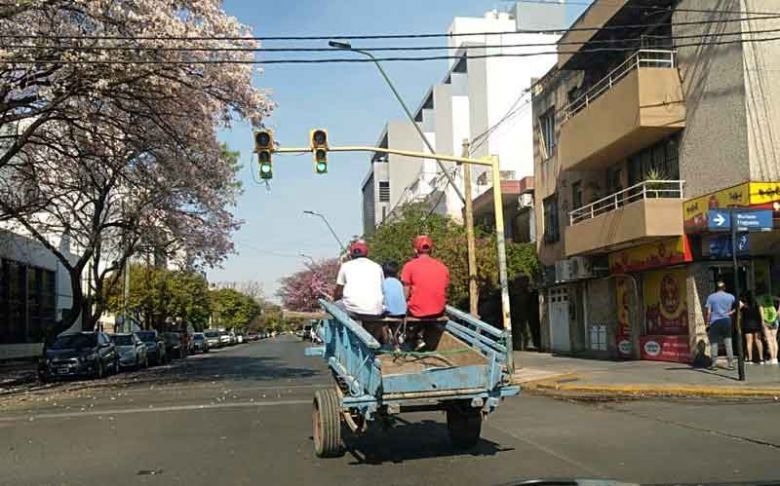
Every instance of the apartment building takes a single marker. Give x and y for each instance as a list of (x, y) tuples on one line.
[(483, 98), (655, 113)]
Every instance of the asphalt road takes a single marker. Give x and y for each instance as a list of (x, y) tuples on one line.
[(242, 416)]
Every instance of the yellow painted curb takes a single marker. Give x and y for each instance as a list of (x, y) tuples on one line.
[(653, 390)]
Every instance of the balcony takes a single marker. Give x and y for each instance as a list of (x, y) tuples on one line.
[(635, 105), (641, 213)]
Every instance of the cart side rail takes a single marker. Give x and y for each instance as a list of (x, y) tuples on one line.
[(479, 334)]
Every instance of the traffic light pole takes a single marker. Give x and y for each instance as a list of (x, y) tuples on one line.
[(491, 162)]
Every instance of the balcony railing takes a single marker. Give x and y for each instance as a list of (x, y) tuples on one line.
[(644, 190), (659, 58)]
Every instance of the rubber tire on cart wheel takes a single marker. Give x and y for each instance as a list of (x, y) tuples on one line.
[(464, 425), (326, 420)]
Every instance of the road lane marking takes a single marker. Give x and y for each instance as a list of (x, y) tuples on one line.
[(172, 408)]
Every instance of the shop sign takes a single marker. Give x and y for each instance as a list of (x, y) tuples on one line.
[(665, 348), (655, 255), (623, 287), (757, 195), (624, 347), (666, 306)]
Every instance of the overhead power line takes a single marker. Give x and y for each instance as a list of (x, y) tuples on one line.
[(391, 36), (628, 40), (23, 61)]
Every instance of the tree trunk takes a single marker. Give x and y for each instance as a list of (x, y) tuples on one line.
[(70, 315)]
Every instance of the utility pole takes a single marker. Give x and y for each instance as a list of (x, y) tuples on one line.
[(470, 242), (737, 292)]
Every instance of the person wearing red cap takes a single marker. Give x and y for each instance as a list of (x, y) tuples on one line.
[(425, 281), (359, 283)]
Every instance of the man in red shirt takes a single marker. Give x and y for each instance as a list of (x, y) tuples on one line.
[(425, 281)]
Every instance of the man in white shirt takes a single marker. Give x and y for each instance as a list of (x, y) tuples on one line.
[(359, 283)]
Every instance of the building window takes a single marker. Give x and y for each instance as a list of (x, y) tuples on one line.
[(656, 161), (547, 129), (576, 195), (384, 191), (551, 229)]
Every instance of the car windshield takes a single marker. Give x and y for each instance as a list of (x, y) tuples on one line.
[(147, 336), (122, 339), (198, 337), (211, 334), (75, 341)]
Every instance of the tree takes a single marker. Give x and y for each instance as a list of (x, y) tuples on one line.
[(157, 294), (232, 309), (112, 142), (301, 290)]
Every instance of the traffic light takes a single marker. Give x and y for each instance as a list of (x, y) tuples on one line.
[(319, 147), (264, 146)]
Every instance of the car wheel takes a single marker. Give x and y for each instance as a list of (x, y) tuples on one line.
[(116, 365), (146, 361), (99, 371)]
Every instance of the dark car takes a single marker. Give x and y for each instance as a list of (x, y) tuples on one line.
[(252, 336), (155, 346), (174, 345), (80, 354)]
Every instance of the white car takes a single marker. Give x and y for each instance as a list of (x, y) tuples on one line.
[(224, 338)]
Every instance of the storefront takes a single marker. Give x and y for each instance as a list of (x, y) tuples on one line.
[(653, 318)]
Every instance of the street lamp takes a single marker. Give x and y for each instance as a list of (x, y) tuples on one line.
[(324, 219), (308, 257), (348, 47)]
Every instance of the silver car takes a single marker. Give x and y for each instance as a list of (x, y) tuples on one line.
[(132, 351)]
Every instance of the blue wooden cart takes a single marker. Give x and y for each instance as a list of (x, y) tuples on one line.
[(462, 372)]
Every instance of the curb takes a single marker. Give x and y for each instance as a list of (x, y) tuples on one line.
[(555, 387)]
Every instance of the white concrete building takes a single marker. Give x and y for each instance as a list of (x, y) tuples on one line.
[(485, 100)]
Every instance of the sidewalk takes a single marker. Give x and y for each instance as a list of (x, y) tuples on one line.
[(15, 373), (589, 378)]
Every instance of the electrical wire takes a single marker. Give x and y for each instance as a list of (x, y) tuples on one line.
[(361, 60), (392, 36)]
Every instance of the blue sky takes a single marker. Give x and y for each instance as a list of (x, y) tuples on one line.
[(350, 100)]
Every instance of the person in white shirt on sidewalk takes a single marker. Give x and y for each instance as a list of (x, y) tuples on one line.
[(359, 284)]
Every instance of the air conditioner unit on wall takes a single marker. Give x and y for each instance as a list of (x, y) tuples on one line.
[(581, 268), (574, 268)]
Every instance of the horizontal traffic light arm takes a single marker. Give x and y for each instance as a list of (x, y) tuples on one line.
[(488, 161)]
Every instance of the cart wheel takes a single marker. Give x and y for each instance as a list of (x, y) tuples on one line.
[(464, 425), (326, 419)]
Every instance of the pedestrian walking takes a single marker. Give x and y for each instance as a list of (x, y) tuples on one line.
[(768, 308), (717, 314), (753, 327)]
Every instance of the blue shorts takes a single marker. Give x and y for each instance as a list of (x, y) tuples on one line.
[(719, 330)]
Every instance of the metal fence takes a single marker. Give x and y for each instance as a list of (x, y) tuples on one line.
[(657, 58), (652, 189)]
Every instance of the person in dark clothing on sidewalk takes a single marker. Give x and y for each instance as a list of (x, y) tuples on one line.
[(717, 314), (751, 323)]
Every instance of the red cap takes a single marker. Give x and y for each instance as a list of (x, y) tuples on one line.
[(423, 243), (358, 248)]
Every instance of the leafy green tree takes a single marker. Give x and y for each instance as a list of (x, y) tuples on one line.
[(157, 294), (232, 309)]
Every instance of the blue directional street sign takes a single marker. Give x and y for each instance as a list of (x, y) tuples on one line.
[(745, 220)]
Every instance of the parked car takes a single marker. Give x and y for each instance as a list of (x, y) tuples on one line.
[(224, 338), (200, 343), (174, 345), (80, 354), (212, 338), (132, 351), (155, 346), (252, 336), (232, 337), (239, 338)]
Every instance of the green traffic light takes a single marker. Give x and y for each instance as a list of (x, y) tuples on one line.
[(321, 161), (322, 167)]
